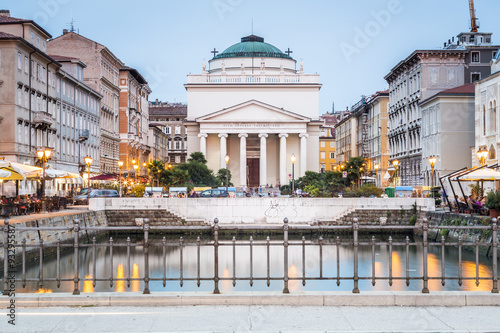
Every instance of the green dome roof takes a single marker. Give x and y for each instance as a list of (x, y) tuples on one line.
[(252, 46)]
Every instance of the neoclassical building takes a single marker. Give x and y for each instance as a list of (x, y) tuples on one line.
[(253, 104)]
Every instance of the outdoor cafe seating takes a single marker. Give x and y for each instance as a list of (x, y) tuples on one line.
[(12, 208)]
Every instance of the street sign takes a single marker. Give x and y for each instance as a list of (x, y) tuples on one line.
[(344, 174)]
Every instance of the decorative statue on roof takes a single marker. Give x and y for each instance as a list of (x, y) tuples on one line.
[(302, 66), (204, 66), (223, 66), (262, 65), (242, 68)]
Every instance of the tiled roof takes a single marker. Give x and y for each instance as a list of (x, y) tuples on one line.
[(465, 89), (8, 19), (7, 35), (170, 110)]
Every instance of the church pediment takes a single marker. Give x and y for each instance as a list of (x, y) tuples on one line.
[(253, 111)]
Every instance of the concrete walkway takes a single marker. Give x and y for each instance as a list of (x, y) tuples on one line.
[(254, 319), (70, 210)]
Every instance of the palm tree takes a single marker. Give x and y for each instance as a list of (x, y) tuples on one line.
[(156, 167)]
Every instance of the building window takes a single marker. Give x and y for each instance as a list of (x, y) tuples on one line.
[(322, 144), (167, 129), (332, 144), (323, 155), (177, 159), (475, 77), (332, 155), (177, 145), (177, 130), (19, 61), (494, 54), (475, 57)]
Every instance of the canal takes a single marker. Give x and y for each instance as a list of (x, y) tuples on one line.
[(121, 269)]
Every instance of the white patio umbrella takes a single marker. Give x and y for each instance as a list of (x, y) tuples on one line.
[(51, 173), (5, 174), (18, 171)]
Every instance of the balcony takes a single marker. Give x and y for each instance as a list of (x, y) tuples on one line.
[(42, 119), (84, 135), (252, 79)]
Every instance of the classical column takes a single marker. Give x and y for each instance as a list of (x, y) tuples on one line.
[(243, 159), (263, 158), (303, 154), (283, 159), (223, 150), (203, 143)]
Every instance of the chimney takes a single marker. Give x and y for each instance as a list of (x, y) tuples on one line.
[(65, 31), (5, 12), (157, 101), (452, 39)]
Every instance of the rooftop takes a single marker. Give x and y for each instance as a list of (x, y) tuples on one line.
[(252, 46)]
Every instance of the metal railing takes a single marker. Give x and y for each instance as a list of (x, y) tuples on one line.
[(354, 242)]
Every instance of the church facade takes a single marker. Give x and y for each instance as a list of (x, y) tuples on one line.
[(253, 105)]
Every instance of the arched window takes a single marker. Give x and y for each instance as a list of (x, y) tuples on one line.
[(492, 153)]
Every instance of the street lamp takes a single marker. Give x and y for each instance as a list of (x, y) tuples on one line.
[(395, 163), (43, 155), (135, 172), (293, 158), (120, 165), (376, 166), (482, 154), (226, 158), (88, 160), (432, 162)]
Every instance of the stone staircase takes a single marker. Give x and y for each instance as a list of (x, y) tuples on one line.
[(337, 220), (158, 217)]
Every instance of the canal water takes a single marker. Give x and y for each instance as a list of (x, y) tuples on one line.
[(120, 268)]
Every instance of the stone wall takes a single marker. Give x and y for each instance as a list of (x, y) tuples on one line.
[(261, 210), (50, 237)]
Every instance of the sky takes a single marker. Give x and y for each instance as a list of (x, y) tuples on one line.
[(351, 44)]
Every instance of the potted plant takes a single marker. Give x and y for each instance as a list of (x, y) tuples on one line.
[(493, 203)]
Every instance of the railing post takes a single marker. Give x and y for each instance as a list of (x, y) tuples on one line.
[(285, 256), (76, 241), (494, 245), (145, 226), (425, 241), (216, 256), (355, 228), (6, 258)]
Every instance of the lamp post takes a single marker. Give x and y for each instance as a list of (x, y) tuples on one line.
[(135, 173), (432, 162), (88, 160), (43, 155), (376, 166), (482, 155), (395, 163), (293, 158), (120, 165), (226, 158)]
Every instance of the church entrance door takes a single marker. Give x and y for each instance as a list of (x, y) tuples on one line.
[(253, 172)]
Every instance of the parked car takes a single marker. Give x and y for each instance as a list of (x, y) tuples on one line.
[(82, 199), (213, 193)]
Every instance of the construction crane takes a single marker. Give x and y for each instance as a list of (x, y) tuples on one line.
[(473, 20)]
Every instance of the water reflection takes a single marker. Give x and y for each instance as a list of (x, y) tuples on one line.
[(172, 264)]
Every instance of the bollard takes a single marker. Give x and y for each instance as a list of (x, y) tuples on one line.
[(285, 256), (355, 228), (6, 258), (425, 228), (494, 240), (145, 226), (76, 277), (216, 256)]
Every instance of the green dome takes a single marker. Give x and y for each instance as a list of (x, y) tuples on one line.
[(252, 46)]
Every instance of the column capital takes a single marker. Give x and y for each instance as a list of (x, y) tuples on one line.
[(303, 135), (283, 135), (263, 135), (203, 135), (243, 135), (222, 135)]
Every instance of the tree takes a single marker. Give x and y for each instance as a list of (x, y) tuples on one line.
[(197, 157), (221, 177), (355, 169), (156, 167), (199, 173)]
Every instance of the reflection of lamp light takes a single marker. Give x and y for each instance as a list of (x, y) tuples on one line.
[(226, 158), (293, 158), (120, 165)]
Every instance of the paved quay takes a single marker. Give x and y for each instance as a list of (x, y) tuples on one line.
[(256, 312), (255, 319)]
